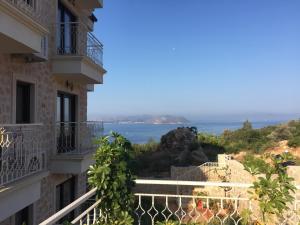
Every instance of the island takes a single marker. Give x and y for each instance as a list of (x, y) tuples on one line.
[(144, 119)]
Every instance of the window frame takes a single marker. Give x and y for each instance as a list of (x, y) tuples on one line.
[(33, 98)]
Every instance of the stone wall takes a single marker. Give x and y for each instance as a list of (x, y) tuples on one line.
[(14, 68), (46, 205)]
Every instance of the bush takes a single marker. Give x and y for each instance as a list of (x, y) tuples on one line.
[(280, 133), (210, 139), (150, 146), (294, 142), (247, 139), (212, 145), (111, 175), (273, 188)]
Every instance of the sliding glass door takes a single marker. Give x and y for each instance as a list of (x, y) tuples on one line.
[(67, 31), (66, 132)]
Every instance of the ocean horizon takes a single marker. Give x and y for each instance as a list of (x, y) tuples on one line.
[(140, 133)]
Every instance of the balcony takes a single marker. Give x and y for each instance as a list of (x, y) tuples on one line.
[(22, 166), (78, 54), (21, 152), (75, 146), (21, 27), (216, 207), (90, 4)]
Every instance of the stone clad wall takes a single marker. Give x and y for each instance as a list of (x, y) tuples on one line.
[(14, 68)]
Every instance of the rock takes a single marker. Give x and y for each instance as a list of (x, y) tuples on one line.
[(178, 147)]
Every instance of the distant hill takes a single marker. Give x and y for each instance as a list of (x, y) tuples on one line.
[(146, 119)]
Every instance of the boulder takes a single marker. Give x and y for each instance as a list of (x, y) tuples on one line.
[(179, 147)]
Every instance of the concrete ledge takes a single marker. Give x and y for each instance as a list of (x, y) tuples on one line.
[(78, 68), (18, 32), (20, 194), (71, 163)]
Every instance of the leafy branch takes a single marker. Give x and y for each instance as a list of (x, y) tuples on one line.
[(273, 188)]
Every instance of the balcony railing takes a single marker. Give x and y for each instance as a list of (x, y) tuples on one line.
[(22, 151), (210, 205), (77, 137), (32, 8), (75, 39)]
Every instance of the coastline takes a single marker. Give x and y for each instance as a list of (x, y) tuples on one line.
[(143, 132)]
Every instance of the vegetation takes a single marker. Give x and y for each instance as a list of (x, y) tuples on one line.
[(244, 139), (255, 140), (150, 146), (111, 175), (247, 139), (273, 187)]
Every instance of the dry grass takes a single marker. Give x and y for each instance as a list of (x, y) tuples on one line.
[(280, 148)]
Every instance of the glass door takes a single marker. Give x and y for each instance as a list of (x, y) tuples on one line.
[(65, 194), (65, 116), (67, 31)]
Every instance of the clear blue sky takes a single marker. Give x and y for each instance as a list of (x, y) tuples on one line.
[(199, 57)]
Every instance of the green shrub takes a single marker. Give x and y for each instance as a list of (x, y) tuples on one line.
[(280, 133), (294, 142), (111, 175), (150, 146), (210, 139), (273, 188)]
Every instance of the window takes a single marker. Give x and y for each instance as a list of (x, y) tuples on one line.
[(24, 103), (65, 194), (67, 30), (24, 216)]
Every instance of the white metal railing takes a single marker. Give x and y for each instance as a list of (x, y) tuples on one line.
[(207, 206), (74, 38), (77, 137), (203, 172), (74, 205), (22, 151)]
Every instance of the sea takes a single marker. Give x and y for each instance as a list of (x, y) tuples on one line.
[(141, 133)]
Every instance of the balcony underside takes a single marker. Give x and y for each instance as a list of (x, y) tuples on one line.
[(71, 163), (18, 32), (90, 88), (77, 68), (90, 4), (20, 194)]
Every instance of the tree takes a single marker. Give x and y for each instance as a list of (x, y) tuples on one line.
[(247, 125), (111, 175)]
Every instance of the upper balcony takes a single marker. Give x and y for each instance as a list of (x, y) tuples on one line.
[(75, 146), (21, 27), (78, 54), (90, 4)]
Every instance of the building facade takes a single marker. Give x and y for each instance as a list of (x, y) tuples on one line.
[(49, 60)]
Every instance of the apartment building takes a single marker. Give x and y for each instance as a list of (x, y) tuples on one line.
[(49, 60)]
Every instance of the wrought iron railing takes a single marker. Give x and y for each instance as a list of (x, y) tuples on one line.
[(75, 39), (207, 206), (22, 151), (77, 137)]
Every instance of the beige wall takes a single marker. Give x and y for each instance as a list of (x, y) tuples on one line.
[(14, 68)]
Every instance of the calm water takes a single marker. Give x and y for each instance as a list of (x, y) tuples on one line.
[(141, 133)]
